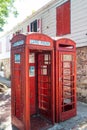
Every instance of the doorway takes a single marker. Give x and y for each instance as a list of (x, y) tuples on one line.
[(40, 89)]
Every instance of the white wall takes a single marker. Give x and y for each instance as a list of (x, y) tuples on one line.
[(48, 16), (79, 21), (3, 40)]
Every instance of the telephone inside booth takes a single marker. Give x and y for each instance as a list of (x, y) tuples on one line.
[(34, 100)]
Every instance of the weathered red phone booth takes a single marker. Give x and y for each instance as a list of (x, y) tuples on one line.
[(65, 79), (32, 81)]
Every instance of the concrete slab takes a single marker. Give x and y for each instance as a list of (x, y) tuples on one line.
[(78, 122)]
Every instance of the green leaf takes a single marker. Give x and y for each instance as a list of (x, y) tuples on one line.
[(6, 7)]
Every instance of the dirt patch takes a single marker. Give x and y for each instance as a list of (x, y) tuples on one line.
[(5, 109)]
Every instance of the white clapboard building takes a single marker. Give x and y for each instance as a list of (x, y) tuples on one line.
[(58, 18)]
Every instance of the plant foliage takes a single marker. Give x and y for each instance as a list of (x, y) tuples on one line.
[(6, 7)]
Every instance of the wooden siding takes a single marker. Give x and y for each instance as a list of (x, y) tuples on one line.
[(79, 22), (48, 16)]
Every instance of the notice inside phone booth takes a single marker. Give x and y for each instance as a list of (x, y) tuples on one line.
[(65, 79), (32, 81)]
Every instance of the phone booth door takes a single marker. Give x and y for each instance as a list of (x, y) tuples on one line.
[(44, 84), (41, 90), (67, 82)]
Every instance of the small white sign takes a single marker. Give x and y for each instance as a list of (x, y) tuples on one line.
[(17, 58), (38, 42), (31, 58), (18, 43), (31, 71)]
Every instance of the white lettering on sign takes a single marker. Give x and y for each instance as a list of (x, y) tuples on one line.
[(18, 43), (38, 42)]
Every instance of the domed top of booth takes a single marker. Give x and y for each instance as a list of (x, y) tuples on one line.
[(33, 40), (65, 44), (18, 40)]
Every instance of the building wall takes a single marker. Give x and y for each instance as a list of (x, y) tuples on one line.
[(48, 17), (47, 14), (78, 22), (5, 72), (82, 73), (5, 55)]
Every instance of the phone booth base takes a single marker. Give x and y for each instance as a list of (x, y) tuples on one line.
[(32, 81), (38, 123)]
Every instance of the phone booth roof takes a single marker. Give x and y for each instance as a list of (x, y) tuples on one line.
[(36, 41), (64, 44)]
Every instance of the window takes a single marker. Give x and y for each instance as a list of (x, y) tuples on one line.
[(63, 19), (35, 26)]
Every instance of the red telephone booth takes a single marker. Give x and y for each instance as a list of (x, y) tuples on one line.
[(32, 81), (65, 79)]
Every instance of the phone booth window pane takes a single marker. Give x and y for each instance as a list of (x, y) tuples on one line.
[(17, 58), (31, 58), (46, 59), (44, 70), (67, 57)]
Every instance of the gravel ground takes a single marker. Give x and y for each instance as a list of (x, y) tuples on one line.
[(5, 110), (78, 122)]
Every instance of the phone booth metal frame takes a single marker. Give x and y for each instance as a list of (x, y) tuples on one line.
[(21, 46), (65, 79)]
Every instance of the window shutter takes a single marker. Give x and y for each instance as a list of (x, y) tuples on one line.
[(63, 19), (39, 25), (28, 28)]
